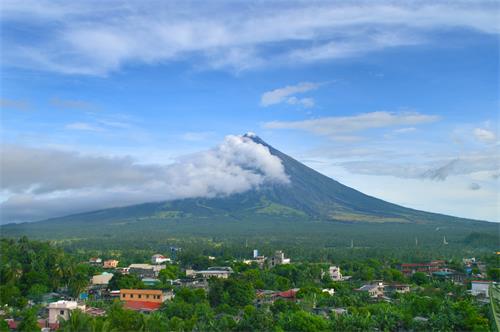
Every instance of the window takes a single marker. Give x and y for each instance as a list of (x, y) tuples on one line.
[(147, 296), (139, 296), (131, 296), (61, 312)]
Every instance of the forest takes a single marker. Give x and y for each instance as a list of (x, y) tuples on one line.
[(31, 269)]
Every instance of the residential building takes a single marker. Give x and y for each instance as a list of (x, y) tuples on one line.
[(427, 268), (334, 273), (159, 259), (144, 300), (269, 296), (218, 272), (397, 288), (110, 264), (277, 259), (145, 270), (150, 281), (102, 279), (61, 310), (95, 261), (330, 291), (480, 287), (374, 290)]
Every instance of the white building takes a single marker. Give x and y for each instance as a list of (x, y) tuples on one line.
[(102, 279), (158, 259), (61, 310), (278, 259), (334, 273), (330, 291), (374, 290), (480, 287), (218, 272)]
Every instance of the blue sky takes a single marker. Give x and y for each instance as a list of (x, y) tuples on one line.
[(397, 100)]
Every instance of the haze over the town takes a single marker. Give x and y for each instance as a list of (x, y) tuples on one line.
[(130, 102)]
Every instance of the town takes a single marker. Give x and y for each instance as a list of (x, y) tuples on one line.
[(250, 293)]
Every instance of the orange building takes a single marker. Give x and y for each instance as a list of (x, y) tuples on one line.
[(110, 264), (144, 300)]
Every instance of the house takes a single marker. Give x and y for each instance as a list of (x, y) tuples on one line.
[(397, 288), (102, 279), (277, 259), (122, 270), (95, 261), (269, 296), (480, 287), (334, 273), (374, 290), (61, 310), (145, 270), (192, 283), (110, 264), (259, 260), (159, 259), (450, 274), (330, 291), (144, 300), (150, 281), (290, 294), (339, 311), (427, 268), (217, 272)]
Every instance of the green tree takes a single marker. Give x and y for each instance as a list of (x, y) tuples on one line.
[(29, 321), (419, 278), (77, 322)]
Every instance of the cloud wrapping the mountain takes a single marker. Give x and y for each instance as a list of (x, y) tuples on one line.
[(39, 183)]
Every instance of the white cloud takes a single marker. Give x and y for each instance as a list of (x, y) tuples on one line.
[(338, 126), (83, 126), (39, 183), (77, 38), (484, 135), (405, 130), (286, 94)]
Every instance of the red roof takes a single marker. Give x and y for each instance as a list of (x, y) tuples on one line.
[(482, 281), (142, 305), (289, 294)]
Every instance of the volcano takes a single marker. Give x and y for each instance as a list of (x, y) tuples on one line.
[(309, 197)]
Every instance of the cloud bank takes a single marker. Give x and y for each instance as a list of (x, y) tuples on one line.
[(96, 38), (41, 183), (336, 127)]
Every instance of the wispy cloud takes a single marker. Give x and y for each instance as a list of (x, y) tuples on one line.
[(15, 104), (84, 126), (338, 127), (485, 135), (76, 38), (431, 169), (72, 104), (287, 95)]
